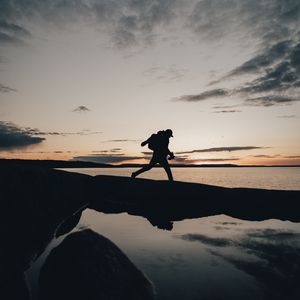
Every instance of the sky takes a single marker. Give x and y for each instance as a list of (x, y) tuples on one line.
[(91, 79)]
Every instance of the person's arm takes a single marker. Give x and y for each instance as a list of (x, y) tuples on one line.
[(144, 143)]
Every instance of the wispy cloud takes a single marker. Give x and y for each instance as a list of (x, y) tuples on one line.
[(14, 137), (114, 150), (11, 33), (276, 156), (128, 23), (185, 158), (215, 93), (107, 158), (121, 141), (226, 111), (292, 156), (222, 149), (171, 73), (266, 156), (244, 92), (6, 89), (37, 132), (287, 116), (81, 108), (204, 160), (275, 63), (258, 63), (270, 100)]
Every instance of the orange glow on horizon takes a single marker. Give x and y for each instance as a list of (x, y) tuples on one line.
[(243, 161)]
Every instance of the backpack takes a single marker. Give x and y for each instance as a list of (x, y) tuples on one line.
[(153, 142)]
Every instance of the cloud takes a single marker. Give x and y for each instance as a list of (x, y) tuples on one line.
[(43, 152), (132, 22), (277, 156), (127, 23), (224, 106), (186, 159), (171, 73), (281, 74), (266, 156), (114, 150), (14, 137), (138, 20), (147, 152), (254, 20), (215, 93), (264, 59), (35, 131), (107, 158), (203, 160), (275, 63), (270, 101), (222, 149), (81, 108), (6, 89), (121, 141), (292, 156), (271, 27), (287, 116), (226, 111), (265, 100), (11, 33)]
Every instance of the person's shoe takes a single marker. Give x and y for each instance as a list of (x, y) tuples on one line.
[(133, 175)]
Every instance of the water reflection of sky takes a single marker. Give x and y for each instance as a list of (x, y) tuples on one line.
[(209, 258)]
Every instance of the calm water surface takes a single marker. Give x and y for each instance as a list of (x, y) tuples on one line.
[(267, 178), (215, 257)]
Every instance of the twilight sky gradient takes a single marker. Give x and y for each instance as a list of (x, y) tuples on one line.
[(91, 79)]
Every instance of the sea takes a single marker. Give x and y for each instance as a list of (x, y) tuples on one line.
[(214, 257), (278, 178)]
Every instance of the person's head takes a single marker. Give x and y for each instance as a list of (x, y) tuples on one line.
[(169, 132)]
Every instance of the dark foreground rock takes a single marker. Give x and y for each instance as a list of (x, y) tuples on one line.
[(87, 265), (34, 202)]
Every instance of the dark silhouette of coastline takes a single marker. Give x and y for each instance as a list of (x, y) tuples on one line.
[(86, 164), (55, 163)]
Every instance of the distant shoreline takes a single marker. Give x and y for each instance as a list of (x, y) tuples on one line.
[(86, 164)]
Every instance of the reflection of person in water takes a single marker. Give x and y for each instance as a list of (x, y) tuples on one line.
[(159, 144)]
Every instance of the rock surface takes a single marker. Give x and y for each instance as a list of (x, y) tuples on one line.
[(87, 265)]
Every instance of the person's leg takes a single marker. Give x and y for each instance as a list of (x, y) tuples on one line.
[(164, 163), (144, 169)]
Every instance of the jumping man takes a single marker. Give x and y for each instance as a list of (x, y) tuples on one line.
[(159, 144)]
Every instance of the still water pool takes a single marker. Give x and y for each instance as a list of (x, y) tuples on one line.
[(216, 257)]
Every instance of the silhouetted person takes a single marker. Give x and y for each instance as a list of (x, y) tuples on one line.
[(159, 144)]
